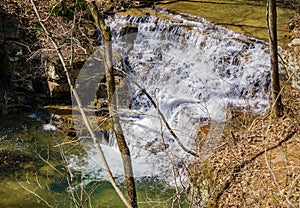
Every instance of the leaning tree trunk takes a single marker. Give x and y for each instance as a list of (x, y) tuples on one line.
[(272, 25), (110, 82)]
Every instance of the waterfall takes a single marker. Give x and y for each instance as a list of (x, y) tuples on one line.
[(193, 69)]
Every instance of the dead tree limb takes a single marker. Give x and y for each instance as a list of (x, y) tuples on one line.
[(167, 124)]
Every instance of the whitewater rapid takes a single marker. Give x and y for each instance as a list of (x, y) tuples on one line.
[(194, 70)]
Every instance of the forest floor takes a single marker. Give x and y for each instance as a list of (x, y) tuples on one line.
[(257, 163)]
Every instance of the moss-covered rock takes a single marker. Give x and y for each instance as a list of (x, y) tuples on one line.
[(202, 185), (13, 154)]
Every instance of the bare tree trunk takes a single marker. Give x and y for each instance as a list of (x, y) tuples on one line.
[(110, 82), (272, 25)]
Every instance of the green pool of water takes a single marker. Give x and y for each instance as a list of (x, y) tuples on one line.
[(35, 190), (33, 173)]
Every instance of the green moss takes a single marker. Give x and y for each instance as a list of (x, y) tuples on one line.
[(201, 140), (203, 184), (242, 16), (37, 28)]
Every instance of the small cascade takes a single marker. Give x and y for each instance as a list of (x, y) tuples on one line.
[(194, 70)]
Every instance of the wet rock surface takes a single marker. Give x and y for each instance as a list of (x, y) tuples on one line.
[(292, 52), (18, 75), (30, 72)]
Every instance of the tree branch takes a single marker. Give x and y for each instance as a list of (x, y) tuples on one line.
[(85, 120)]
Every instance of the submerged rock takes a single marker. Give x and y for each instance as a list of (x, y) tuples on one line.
[(13, 155)]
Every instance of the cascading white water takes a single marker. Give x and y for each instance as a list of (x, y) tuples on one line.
[(194, 70)]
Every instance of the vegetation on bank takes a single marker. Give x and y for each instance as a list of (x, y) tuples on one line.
[(256, 163)]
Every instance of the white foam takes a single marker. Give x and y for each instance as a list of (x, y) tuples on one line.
[(49, 127), (193, 75)]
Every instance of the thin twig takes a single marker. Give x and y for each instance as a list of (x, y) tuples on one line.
[(275, 179), (46, 161), (35, 194)]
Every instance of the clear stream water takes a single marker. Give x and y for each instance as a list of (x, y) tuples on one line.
[(193, 69), (43, 183)]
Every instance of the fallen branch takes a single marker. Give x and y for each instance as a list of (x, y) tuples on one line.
[(167, 124), (239, 167)]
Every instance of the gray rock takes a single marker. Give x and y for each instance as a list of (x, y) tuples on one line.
[(295, 42)]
